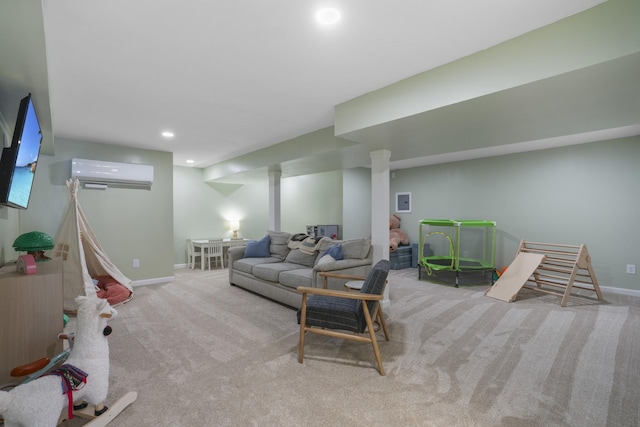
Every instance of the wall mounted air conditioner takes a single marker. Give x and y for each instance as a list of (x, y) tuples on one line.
[(119, 174)]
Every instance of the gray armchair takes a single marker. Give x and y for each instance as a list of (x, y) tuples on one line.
[(345, 314)]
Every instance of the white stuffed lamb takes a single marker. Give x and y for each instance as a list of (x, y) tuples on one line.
[(39, 403)]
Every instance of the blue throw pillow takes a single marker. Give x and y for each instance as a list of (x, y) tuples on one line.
[(334, 251), (258, 248)]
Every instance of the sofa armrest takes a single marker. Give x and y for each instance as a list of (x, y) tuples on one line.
[(342, 264), (234, 253), (348, 267), (326, 275), (341, 276)]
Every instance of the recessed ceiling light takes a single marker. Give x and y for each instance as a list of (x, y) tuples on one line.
[(328, 16), (167, 134), (191, 161)]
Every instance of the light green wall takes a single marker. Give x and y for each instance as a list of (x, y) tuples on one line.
[(203, 210), (583, 194), (356, 215), (129, 223), (578, 194), (9, 227), (310, 200)]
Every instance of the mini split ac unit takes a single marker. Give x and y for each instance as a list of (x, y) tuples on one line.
[(121, 174)]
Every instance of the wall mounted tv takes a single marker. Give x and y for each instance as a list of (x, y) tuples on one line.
[(19, 161)]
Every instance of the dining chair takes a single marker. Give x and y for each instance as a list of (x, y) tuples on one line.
[(214, 250), (231, 243), (192, 254)]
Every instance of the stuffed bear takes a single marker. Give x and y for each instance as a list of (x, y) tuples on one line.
[(396, 235)]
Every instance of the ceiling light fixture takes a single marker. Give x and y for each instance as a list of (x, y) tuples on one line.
[(191, 161), (167, 134), (328, 16)]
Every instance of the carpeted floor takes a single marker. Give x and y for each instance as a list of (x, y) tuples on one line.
[(200, 352)]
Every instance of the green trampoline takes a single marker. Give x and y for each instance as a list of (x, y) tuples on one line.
[(456, 246)]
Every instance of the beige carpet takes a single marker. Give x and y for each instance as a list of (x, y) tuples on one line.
[(202, 353)]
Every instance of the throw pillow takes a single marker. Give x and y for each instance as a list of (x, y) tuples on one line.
[(296, 256), (355, 248), (278, 247), (326, 243), (334, 251), (325, 259), (258, 248)]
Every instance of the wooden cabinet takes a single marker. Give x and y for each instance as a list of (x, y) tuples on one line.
[(31, 315)]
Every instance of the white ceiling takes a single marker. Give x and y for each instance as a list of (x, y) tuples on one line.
[(231, 77)]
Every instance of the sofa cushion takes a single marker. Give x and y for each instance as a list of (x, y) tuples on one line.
[(271, 271), (246, 264), (355, 248), (326, 243), (295, 278), (279, 239), (258, 248), (297, 256)]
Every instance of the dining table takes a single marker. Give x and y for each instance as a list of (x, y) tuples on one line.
[(200, 244)]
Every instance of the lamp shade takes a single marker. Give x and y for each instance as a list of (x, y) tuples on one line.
[(234, 225)]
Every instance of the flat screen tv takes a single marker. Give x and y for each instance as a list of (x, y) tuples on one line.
[(19, 161)]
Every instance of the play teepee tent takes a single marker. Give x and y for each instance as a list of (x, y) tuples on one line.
[(85, 263)]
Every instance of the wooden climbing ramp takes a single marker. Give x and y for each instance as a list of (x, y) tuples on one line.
[(547, 267)]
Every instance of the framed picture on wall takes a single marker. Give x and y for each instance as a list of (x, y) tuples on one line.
[(403, 202)]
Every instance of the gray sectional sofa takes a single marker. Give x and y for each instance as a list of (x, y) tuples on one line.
[(278, 273)]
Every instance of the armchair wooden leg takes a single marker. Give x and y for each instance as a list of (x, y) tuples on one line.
[(374, 340), (383, 323), (303, 323)]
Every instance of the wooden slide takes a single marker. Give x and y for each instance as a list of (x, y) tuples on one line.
[(514, 278), (547, 267)]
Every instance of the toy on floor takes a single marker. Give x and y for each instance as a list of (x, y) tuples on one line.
[(457, 246), (396, 235), (84, 378)]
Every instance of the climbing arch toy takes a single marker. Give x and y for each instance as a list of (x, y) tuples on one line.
[(547, 267)]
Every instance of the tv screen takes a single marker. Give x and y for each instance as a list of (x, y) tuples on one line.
[(19, 161)]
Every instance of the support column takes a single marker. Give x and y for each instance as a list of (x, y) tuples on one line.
[(380, 209), (274, 199)]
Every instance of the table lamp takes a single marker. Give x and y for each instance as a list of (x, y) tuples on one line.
[(235, 226)]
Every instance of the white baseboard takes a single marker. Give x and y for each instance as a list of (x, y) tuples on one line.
[(621, 291), (154, 281)]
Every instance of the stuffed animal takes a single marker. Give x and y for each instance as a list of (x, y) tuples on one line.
[(396, 235), (84, 376)]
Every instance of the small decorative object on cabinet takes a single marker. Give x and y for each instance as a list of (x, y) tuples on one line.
[(330, 231), (26, 264)]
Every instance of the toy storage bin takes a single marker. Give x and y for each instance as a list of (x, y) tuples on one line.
[(401, 258)]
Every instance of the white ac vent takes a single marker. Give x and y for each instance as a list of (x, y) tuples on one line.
[(120, 174)]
